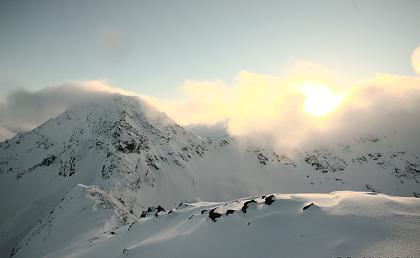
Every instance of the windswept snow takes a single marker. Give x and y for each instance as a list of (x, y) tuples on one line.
[(339, 224)]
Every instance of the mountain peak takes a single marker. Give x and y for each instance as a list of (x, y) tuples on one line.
[(114, 124)]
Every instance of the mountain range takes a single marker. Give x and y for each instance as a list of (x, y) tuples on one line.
[(115, 177)]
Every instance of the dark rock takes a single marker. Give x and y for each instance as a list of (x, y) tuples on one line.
[(131, 225), (143, 214), (245, 206), (269, 200), (307, 206), (229, 212), (160, 208), (48, 161), (371, 189), (214, 215), (223, 143), (262, 158)]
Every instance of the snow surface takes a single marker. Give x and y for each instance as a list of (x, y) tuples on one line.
[(354, 224), (129, 157)]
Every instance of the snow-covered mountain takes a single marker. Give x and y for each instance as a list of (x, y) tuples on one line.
[(101, 165), (116, 143)]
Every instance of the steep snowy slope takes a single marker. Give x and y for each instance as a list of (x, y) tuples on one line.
[(116, 143), (340, 224), (364, 164), (138, 157)]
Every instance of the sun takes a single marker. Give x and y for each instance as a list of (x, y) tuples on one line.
[(415, 60), (319, 99)]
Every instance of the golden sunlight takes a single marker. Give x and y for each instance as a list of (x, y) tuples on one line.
[(319, 99), (415, 60)]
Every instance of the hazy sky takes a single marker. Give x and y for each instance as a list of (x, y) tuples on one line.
[(152, 47)]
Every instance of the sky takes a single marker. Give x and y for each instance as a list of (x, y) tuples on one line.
[(153, 47)]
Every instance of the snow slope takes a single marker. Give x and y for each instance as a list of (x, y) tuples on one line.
[(137, 157), (339, 224), (113, 143)]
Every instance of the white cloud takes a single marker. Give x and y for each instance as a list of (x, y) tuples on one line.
[(23, 110), (263, 106), (275, 106)]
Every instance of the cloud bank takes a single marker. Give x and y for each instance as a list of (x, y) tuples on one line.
[(274, 107), (23, 110), (257, 106)]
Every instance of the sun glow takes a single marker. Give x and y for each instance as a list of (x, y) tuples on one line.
[(415, 60), (319, 99)]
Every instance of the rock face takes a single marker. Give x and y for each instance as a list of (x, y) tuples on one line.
[(325, 161), (134, 157)]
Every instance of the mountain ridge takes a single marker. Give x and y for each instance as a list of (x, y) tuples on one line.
[(292, 225), (140, 158)]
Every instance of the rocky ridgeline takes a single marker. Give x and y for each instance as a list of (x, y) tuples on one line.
[(214, 213), (120, 130)]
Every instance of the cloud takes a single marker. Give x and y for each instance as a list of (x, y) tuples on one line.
[(258, 106), (274, 106), (23, 110), (386, 104)]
